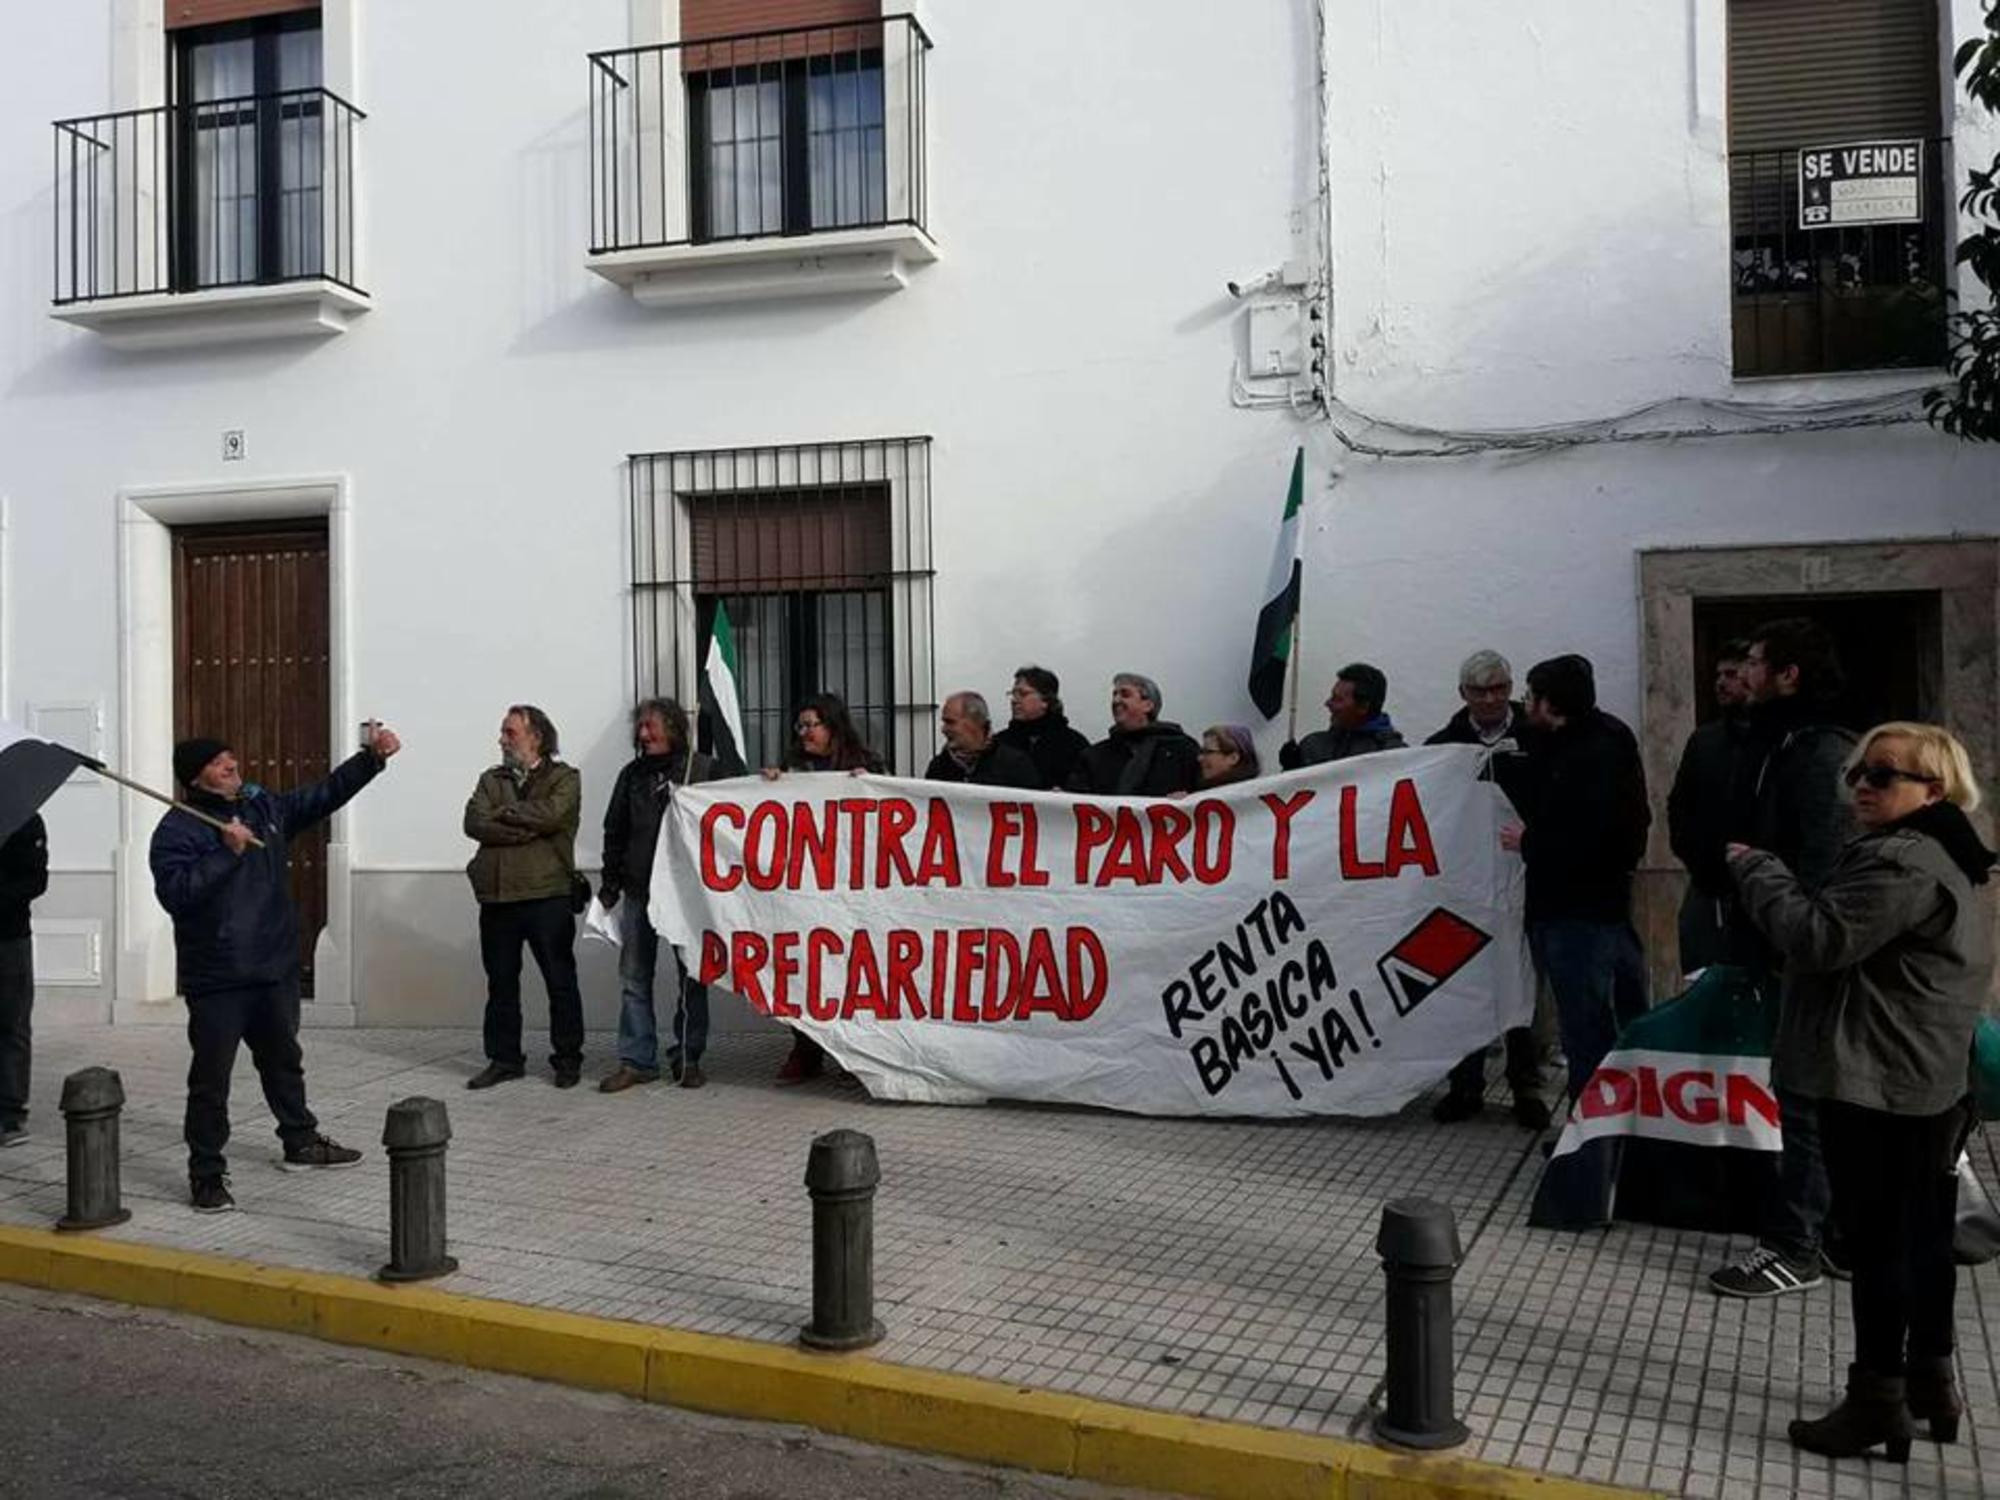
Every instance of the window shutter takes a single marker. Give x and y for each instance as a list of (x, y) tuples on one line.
[(1820, 72), (834, 24), (703, 20), (180, 13), (767, 542)]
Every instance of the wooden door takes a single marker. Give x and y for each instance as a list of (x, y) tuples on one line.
[(251, 667)]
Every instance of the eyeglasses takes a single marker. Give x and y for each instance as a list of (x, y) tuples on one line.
[(1022, 693), (1881, 778), (806, 726)]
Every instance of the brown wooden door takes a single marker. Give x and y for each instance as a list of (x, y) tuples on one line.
[(250, 667)]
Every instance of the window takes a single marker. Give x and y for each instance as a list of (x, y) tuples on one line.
[(249, 152), (788, 147), (1843, 289), (820, 554)]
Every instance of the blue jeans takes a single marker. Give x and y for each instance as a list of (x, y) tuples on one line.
[(638, 1031), (1597, 974)]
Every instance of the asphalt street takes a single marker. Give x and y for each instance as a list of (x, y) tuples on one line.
[(109, 1401)]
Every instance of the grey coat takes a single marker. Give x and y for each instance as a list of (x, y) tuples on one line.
[(1887, 967)]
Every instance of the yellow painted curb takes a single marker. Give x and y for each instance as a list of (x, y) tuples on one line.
[(848, 1394)]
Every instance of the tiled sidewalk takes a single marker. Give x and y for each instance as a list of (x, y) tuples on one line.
[(1222, 1269)]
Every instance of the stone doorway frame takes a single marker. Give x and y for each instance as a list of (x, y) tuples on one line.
[(1964, 571)]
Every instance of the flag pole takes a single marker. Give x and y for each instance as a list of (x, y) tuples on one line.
[(101, 769), (1292, 725)]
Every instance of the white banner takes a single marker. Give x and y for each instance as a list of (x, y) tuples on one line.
[(1328, 941)]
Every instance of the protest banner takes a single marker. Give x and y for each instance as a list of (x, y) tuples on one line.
[(1328, 941)]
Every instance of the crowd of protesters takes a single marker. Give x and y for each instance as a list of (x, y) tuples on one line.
[(1834, 871)]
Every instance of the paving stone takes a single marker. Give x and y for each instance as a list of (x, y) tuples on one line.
[(1071, 1249)]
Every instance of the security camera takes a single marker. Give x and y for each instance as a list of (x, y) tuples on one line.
[(1289, 276)]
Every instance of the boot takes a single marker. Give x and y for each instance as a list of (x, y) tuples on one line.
[(1933, 1396), (1872, 1413)]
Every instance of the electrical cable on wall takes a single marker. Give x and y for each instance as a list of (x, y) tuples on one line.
[(1716, 417)]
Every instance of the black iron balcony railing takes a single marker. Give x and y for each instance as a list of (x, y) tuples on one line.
[(1809, 300), (792, 132), (188, 197)]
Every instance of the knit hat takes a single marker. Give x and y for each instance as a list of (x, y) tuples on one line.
[(192, 756)]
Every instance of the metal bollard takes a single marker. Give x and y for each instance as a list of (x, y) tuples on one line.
[(1418, 1243), (415, 1134), (91, 1100), (841, 1175)]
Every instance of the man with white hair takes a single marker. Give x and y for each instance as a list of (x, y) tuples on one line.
[(972, 755), (1492, 718), (1143, 755)]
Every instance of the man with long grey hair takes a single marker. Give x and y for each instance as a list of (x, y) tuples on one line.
[(1143, 755), (665, 758)]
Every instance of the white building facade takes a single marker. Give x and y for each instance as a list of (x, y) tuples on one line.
[(414, 361)]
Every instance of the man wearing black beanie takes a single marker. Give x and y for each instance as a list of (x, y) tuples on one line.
[(1583, 832), (236, 945)]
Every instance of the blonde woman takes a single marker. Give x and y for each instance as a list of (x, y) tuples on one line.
[(1887, 966)]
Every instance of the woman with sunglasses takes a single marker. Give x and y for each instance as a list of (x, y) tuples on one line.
[(823, 739), (1887, 966)]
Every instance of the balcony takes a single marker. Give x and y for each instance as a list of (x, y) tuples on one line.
[(775, 164), (227, 220), (1816, 301)]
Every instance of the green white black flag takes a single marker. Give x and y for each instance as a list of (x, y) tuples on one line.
[(719, 700), (1277, 621)]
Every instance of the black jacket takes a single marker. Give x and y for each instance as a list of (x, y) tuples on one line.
[(997, 765), (1587, 822), (1154, 761), (1330, 744), (632, 818), (24, 875), (1513, 752), (1699, 806), (234, 922), (1055, 748), (1791, 801)]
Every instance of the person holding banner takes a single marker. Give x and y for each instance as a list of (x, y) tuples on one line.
[(972, 754), (1040, 730), (1491, 718), (1228, 755), (666, 758), (1144, 755), (823, 739), (1887, 965)]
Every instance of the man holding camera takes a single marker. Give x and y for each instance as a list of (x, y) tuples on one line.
[(227, 885)]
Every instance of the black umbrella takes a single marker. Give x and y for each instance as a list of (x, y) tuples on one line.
[(31, 769)]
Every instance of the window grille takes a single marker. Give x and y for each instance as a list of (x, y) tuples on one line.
[(821, 553)]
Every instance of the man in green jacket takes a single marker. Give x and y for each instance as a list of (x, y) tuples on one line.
[(523, 815)]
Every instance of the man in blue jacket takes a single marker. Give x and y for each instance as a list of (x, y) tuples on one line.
[(236, 942)]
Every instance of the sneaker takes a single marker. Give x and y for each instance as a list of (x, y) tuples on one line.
[(491, 1074), (624, 1077), (692, 1077), (14, 1135), (1454, 1107), (210, 1195), (1530, 1113), (1765, 1272), (317, 1153)]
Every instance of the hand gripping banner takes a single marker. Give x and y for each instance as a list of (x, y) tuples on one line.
[(1329, 941)]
